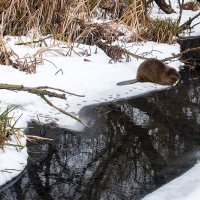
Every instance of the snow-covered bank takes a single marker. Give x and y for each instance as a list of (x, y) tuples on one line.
[(96, 79), (12, 161), (185, 187)]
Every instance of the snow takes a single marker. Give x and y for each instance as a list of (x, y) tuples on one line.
[(185, 187), (186, 14), (12, 161), (96, 79)]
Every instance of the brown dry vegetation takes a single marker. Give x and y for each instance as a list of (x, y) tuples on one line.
[(65, 18), (7, 128), (68, 20), (190, 6), (159, 30), (73, 21), (134, 17)]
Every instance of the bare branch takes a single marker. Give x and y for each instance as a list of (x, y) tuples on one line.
[(46, 87), (187, 24), (33, 90), (34, 41), (181, 53), (181, 10), (60, 110), (42, 91)]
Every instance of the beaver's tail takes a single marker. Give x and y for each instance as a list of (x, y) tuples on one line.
[(127, 82)]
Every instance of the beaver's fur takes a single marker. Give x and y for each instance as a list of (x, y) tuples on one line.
[(155, 71)]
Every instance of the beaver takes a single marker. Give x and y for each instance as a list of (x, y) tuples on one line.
[(154, 71)]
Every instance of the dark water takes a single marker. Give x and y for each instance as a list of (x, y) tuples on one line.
[(130, 149)]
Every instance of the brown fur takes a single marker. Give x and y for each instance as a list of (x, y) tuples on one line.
[(155, 71)]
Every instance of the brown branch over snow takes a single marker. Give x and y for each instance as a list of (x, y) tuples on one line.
[(187, 24), (32, 90), (34, 41), (60, 110), (181, 53), (43, 91), (126, 52)]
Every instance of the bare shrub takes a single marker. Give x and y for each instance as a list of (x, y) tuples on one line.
[(9, 57), (94, 32)]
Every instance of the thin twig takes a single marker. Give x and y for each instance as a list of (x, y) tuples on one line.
[(60, 70), (187, 24), (181, 11), (134, 55), (34, 41), (180, 54), (33, 90), (57, 89), (14, 145), (38, 137), (62, 111)]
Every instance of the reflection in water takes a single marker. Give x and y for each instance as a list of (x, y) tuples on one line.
[(130, 148)]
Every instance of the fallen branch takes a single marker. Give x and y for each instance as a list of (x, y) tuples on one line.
[(133, 55), (34, 137), (180, 54), (122, 51), (60, 110), (187, 24), (34, 41), (33, 90), (46, 87), (42, 91)]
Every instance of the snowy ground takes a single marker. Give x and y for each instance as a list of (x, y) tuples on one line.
[(96, 79), (185, 187), (12, 160)]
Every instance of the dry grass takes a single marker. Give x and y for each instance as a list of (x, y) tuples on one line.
[(134, 17), (159, 30), (56, 17), (8, 129), (9, 57), (5, 54), (72, 21), (190, 6), (64, 19)]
